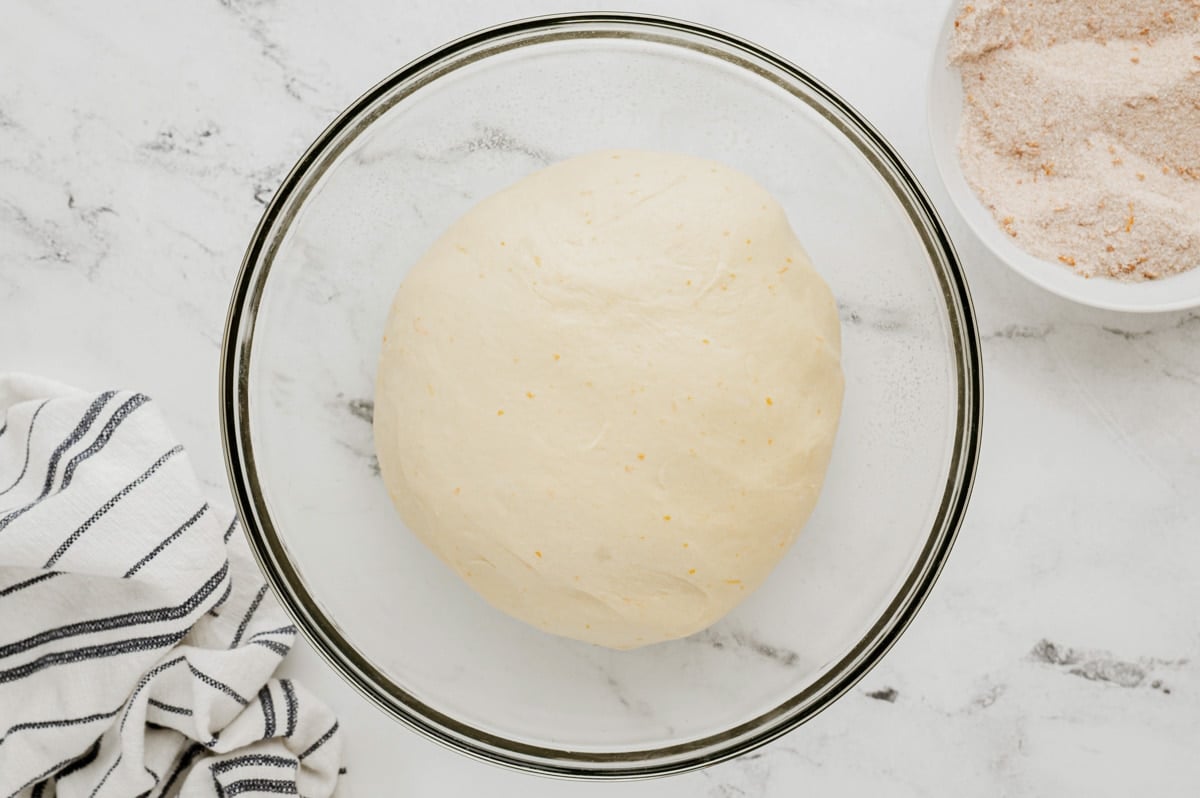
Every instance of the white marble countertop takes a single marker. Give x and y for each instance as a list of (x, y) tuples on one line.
[(1060, 652)]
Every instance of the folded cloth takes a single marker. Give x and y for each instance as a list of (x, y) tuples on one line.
[(137, 638)]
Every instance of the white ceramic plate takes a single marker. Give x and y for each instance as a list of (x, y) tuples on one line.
[(945, 114)]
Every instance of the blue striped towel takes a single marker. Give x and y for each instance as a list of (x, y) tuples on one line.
[(137, 638)]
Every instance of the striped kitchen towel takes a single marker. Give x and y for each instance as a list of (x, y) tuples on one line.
[(137, 638)]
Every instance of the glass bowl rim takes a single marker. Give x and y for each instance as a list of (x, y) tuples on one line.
[(323, 634)]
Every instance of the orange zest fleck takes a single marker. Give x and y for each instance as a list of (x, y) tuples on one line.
[(770, 401), (529, 394), (666, 518), (538, 554), (691, 570), (641, 456), (557, 356), (499, 412), (457, 491)]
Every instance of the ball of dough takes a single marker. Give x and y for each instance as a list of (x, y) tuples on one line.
[(607, 395)]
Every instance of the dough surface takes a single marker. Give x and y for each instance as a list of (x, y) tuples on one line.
[(607, 395)]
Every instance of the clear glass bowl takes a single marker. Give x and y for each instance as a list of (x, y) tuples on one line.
[(381, 183)]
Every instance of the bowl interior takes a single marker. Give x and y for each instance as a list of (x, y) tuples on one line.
[(945, 118), (364, 206)]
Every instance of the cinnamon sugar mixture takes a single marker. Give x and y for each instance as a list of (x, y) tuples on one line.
[(1081, 129)]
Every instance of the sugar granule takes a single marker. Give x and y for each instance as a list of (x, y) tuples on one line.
[(1081, 129)]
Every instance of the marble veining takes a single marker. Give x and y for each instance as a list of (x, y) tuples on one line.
[(621, 693), (270, 50), (265, 181), (1019, 331), (357, 439), (363, 409), (888, 694), (879, 318), (487, 138), (493, 138), (1102, 666), (1128, 335), (745, 641)]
